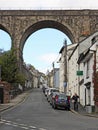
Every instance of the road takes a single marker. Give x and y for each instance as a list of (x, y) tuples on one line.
[(35, 113)]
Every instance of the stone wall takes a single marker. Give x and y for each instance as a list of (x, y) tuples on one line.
[(6, 91)]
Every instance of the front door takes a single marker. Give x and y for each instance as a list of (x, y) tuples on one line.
[(1, 95)]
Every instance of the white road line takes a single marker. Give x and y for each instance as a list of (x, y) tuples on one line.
[(14, 125), (32, 127), (42, 129), (25, 128), (22, 124), (1, 122), (7, 123), (10, 124)]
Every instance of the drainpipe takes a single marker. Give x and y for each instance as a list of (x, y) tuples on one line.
[(95, 80), (95, 83)]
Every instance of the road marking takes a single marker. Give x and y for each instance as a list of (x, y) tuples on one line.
[(14, 125), (32, 127), (1, 122), (42, 129), (7, 123), (23, 126)]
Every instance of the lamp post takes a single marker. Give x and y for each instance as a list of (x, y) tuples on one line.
[(65, 65)]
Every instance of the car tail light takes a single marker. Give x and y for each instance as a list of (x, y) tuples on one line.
[(56, 98), (68, 98), (53, 97)]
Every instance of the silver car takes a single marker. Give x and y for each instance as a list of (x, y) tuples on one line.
[(51, 90)]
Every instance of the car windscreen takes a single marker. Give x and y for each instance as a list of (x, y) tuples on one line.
[(62, 96), (55, 90)]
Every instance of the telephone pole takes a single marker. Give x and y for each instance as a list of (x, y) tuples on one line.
[(53, 74), (65, 66), (0, 72)]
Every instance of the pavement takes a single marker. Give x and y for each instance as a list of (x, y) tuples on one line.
[(83, 111), (20, 98), (14, 102)]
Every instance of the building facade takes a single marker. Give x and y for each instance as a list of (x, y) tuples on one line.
[(88, 63)]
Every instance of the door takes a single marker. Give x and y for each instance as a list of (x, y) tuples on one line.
[(1, 95)]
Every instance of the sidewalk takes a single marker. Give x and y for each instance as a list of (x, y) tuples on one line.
[(82, 111), (18, 99)]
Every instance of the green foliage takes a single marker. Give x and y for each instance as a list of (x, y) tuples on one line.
[(9, 68), (20, 78), (8, 62)]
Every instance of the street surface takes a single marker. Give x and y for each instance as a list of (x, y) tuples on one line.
[(35, 113)]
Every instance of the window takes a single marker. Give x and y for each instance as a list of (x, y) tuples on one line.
[(88, 69)]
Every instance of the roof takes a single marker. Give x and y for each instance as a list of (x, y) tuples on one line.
[(86, 45), (61, 49)]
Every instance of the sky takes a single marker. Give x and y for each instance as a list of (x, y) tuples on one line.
[(52, 4), (42, 47)]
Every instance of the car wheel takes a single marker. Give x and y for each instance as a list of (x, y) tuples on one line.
[(68, 109), (54, 106)]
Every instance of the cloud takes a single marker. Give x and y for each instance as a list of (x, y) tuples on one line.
[(44, 70), (41, 4), (48, 58)]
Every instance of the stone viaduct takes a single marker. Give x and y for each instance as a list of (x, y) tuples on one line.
[(20, 24)]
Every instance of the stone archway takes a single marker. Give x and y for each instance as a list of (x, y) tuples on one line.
[(44, 24), (4, 29), (76, 24)]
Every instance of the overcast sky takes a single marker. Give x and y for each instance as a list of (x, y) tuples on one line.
[(44, 4)]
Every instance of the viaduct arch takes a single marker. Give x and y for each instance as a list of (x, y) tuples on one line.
[(76, 24)]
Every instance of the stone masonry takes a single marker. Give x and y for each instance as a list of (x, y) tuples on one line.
[(20, 24)]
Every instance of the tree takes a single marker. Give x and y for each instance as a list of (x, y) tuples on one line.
[(20, 78), (8, 62)]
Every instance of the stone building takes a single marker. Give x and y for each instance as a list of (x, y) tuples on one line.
[(82, 72), (69, 74), (88, 59)]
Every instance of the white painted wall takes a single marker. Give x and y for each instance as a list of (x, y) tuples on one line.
[(72, 69)]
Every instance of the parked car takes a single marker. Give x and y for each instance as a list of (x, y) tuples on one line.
[(52, 96), (51, 90), (46, 91), (44, 88), (61, 100)]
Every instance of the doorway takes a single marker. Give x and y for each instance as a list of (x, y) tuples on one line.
[(1, 95)]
